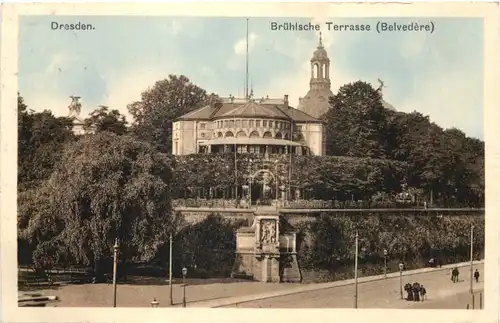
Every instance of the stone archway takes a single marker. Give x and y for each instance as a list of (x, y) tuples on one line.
[(263, 188)]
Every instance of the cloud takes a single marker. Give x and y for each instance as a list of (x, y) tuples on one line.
[(125, 86), (448, 100), (240, 46), (296, 82)]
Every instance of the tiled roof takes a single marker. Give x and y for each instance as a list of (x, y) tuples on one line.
[(253, 109), (248, 109)]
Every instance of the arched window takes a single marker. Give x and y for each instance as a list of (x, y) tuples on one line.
[(254, 134), (323, 70), (278, 135), (285, 136), (219, 134), (267, 134), (241, 134), (229, 134), (315, 70)]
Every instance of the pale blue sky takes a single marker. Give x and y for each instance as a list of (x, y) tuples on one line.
[(438, 74)]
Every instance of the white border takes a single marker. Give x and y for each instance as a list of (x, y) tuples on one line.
[(8, 121)]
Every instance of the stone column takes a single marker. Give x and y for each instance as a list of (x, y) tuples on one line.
[(294, 242)]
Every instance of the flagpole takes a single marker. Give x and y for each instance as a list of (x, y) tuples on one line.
[(246, 69)]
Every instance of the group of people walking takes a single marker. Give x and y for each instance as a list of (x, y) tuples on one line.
[(416, 292)]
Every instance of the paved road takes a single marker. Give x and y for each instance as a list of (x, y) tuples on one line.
[(442, 293)]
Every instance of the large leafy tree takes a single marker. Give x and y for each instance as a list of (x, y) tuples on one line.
[(105, 187), (41, 137), (167, 100), (104, 119), (356, 122)]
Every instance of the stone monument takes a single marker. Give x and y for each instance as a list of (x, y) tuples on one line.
[(265, 254)]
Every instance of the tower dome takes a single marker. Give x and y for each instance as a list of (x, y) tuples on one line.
[(316, 102)]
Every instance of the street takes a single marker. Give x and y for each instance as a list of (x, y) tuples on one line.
[(441, 293)]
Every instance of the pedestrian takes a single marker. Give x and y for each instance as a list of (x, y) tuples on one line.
[(454, 275), (423, 292), (476, 276), (416, 292), (409, 292)]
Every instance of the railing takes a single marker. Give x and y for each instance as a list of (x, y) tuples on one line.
[(306, 204)]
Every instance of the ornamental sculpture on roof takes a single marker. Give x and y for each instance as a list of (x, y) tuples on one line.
[(75, 107)]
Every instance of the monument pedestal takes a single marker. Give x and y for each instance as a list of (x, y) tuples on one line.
[(271, 257)]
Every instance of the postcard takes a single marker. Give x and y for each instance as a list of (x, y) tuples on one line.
[(312, 159)]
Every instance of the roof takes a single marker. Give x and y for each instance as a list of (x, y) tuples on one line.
[(266, 108), (250, 141), (253, 109)]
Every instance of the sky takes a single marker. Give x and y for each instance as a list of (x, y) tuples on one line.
[(439, 74)]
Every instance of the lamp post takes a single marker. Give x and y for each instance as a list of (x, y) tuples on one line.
[(154, 303), (115, 262), (385, 263), (250, 183), (276, 180), (170, 271), (356, 271), (401, 267), (471, 258), (184, 274)]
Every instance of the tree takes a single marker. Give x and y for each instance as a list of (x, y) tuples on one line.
[(41, 138), (105, 187), (103, 119), (356, 122), (160, 105)]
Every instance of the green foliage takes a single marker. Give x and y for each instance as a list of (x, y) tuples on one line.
[(103, 119), (207, 247), (328, 177), (167, 100), (446, 164), (41, 138), (105, 187), (329, 242), (356, 122)]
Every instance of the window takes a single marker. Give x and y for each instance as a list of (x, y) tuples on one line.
[(226, 124), (231, 123), (257, 123), (270, 124), (264, 123), (254, 149), (280, 125), (241, 149), (252, 123), (203, 125), (238, 123), (245, 123)]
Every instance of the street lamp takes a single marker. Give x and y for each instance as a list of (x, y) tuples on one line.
[(471, 259), (356, 244), (401, 267), (250, 183), (115, 262), (385, 263), (154, 303), (184, 274), (276, 180)]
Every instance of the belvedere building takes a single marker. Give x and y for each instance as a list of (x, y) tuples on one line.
[(259, 125)]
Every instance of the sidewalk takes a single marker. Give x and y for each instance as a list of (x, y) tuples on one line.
[(222, 302)]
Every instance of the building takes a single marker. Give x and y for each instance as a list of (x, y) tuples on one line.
[(75, 108), (315, 103), (264, 126)]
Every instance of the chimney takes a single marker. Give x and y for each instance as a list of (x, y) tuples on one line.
[(286, 100)]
